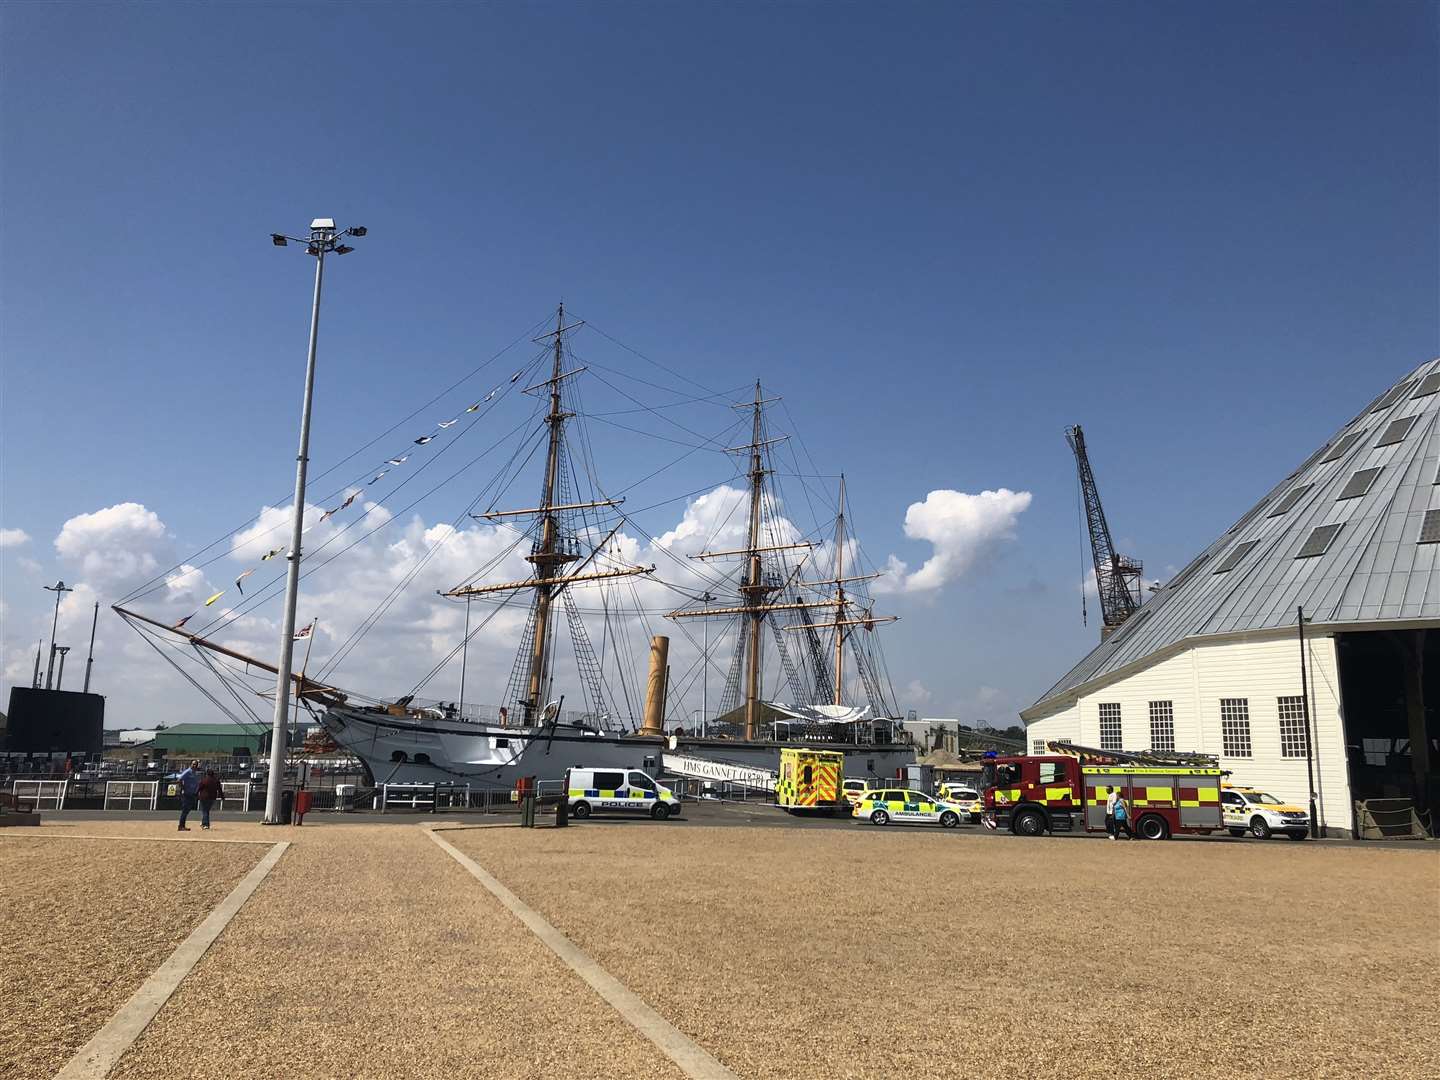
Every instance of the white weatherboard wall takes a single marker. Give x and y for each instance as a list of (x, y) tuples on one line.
[(1259, 668)]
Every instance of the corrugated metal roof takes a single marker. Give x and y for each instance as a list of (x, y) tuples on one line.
[(1374, 570)]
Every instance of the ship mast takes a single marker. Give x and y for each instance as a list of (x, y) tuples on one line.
[(547, 556), (755, 591), (840, 624), (840, 592)]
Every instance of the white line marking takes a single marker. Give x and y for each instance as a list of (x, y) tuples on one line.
[(693, 1060), (97, 1057)]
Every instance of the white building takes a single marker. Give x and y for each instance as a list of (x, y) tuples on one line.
[(1212, 661)]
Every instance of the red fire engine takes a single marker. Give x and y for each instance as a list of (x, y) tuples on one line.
[(1065, 791)]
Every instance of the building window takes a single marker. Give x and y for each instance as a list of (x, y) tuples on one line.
[(1292, 726), (1038, 746), (1111, 735), (1162, 725), (1235, 727)]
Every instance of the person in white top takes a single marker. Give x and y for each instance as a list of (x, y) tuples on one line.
[(1110, 799)]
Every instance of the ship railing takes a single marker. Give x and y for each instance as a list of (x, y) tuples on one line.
[(511, 716)]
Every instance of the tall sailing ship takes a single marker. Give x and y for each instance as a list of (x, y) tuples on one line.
[(812, 627)]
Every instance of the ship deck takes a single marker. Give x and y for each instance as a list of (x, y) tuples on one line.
[(371, 949)]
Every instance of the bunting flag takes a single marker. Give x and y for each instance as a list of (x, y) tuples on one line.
[(397, 460), (215, 597), (183, 621), (376, 478), (241, 578), (448, 423), (270, 555), (304, 632), (477, 405), (516, 377), (346, 504), (423, 439), (490, 395), (326, 516)]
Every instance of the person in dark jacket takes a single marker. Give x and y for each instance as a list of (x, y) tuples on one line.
[(189, 784), (209, 791)]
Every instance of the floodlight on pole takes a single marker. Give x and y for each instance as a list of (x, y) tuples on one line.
[(322, 240), (278, 239)]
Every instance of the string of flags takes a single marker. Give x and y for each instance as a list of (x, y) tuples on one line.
[(389, 465)]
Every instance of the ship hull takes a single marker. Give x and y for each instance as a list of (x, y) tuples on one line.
[(418, 750)]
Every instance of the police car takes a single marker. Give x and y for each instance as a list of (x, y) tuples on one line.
[(855, 790), (1261, 814), (618, 790), (966, 796), (881, 806)]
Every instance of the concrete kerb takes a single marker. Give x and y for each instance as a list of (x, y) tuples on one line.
[(689, 1056), (146, 839), (97, 1057)]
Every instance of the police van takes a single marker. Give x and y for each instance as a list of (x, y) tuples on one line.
[(602, 791)]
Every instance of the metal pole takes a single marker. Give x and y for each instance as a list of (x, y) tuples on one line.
[(90, 658), (1309, 742), (60, 675), (464, 659), (59, 589), (292, 576), (35, 679)]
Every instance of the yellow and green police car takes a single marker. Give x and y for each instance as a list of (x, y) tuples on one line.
[(881, 806), (966, 796)]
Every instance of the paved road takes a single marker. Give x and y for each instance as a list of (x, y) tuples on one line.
[(752, 815)]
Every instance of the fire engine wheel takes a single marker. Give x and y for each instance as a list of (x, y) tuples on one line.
[(1029, 823), (1153, 827), (949, 819), (660, 812), (879, 817), (580, 810), (1260, 828)]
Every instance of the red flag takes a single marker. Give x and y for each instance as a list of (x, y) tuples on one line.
[(183, 621)]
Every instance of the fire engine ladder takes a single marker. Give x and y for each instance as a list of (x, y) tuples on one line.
[(1146, 758)]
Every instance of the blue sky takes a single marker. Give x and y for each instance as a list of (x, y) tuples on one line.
[(944, 232)]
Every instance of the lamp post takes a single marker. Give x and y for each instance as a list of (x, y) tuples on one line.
[(324, 239), (1305, 713), (59, 589)]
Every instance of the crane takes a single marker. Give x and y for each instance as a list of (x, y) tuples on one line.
[(1117, 577)]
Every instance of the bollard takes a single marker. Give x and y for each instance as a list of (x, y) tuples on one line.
[(562, 811)]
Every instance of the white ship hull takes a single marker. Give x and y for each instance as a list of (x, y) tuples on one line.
[(424, 750)]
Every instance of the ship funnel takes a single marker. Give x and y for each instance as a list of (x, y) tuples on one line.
[(655, 686)]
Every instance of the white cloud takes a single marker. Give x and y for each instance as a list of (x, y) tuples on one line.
[(13, 537), (917, 695), (118, 546), (964, 531)]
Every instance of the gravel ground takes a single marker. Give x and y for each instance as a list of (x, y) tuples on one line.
[(84, 923), (830, 953), (368, 952)]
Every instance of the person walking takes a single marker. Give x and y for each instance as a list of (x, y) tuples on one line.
[(1112, 796), (1122, 819), (208, 791), (189, 782)]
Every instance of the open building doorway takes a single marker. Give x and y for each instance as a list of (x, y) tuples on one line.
[(1390, 693)]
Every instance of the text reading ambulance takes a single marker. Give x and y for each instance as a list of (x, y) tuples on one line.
[(1248, 810), (881, 806), (618, 790)]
